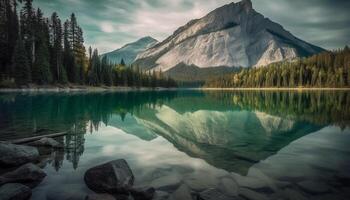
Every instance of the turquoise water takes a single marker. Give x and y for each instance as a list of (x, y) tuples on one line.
[(270, 142)]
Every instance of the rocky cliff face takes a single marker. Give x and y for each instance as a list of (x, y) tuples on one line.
[(129, 52), (234, 35)]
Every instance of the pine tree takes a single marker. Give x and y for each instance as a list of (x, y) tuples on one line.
[(122, 62), (57, 49), (28, 20), (21, 66), (9, 29), (42, 64), (68, 57)]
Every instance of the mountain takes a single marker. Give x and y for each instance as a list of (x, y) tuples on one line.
[(234, 35), (130, 51)]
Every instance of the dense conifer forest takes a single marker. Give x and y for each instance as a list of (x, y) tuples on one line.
[(327, 69), (40, 50)]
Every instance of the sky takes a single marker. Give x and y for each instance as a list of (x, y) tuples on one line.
[(110, 24)]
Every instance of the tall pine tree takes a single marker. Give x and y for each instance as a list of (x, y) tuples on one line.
[(21, 66)]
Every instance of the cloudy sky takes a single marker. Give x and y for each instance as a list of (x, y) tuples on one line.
[(109, 24)]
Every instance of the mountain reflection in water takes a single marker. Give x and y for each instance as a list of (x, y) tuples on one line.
[(229, 130)]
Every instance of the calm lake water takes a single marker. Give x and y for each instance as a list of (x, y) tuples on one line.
[(280, 145)]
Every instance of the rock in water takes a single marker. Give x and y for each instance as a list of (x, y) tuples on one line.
[(214, 194), (143, 193), (113, 177), (28, 174), (314, 187), (46, 142), (100, 197), (182, 193), (15, 155), (15, 191), (252, 195)]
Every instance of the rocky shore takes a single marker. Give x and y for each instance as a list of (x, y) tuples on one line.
[(115, 180)]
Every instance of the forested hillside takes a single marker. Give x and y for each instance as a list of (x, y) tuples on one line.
[(40, 50), (327, 69)]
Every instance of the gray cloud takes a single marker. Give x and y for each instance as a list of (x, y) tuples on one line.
[(109, 24)]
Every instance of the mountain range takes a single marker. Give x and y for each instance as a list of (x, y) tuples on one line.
[(129, 51), (230, 37)]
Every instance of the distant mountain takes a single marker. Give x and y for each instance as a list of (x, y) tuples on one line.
[(234, 35), (130, 51)]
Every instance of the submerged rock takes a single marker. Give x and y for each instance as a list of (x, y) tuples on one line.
[(100, 197), (15, 191), (160, 195), (314, 187), (166, 182), (252, 195), (229, 187), (200, 183), (15, 155), (214, 194), (146, 193), (46, 142), (252, 183), (28, 174), (112, 177), (293, 195), (182, 193)]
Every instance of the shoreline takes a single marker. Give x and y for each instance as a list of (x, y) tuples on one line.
[(142, 89), (82, 89), (275, 89)]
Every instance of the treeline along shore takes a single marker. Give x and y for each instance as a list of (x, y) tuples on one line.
[(325, 70), (38, 50)]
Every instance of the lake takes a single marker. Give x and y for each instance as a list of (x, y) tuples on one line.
[(251, 144)]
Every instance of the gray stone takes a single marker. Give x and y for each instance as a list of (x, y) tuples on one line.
[(200, 183), (15, 191), (12, 155), (314, 187), (28, 174), (112, 177), (166, 182), (46, 142), (293, 195), (252, 183), (182, 193), (100, 197), (252, 195), (144, 193), (214, 194), (229, 187), (160, 195)]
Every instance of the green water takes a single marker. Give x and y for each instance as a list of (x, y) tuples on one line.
[(192, 135)]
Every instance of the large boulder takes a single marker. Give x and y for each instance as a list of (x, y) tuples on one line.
[(46, 142), (15, 155), (28, 174), (114, 177), (15, 191)]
